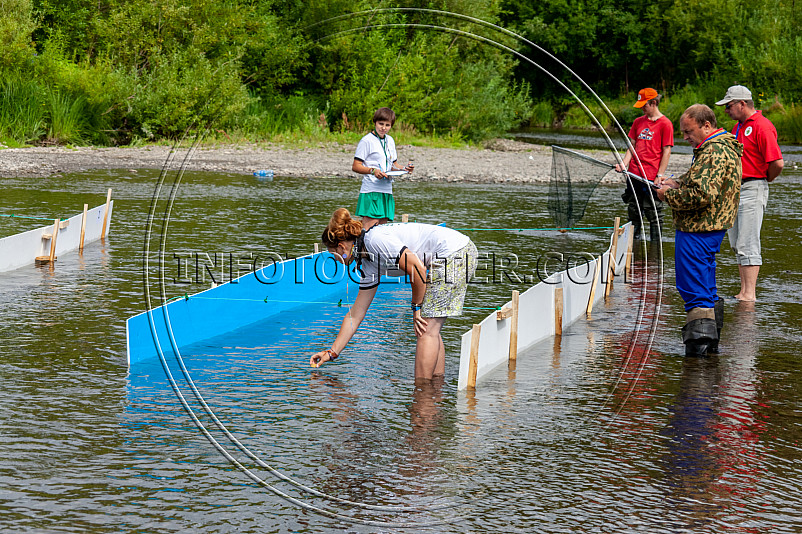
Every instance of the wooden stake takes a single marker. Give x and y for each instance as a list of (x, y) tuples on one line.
[(105, 215), (317, 248), (405, 217), (514, 328), (83, 230), (613, 255), (53, 242), (558, 311), (595, 282), (473, 364)]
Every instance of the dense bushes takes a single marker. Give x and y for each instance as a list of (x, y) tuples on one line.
[(137, 69), (81, 71), (690, 50), (787, 119)]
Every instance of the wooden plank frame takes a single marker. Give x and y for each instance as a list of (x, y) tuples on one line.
[(558, 311), (105, 215), (474, 361), (613, 256), (513, 355)]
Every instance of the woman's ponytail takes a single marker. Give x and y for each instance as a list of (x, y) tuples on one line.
[(341, 227)]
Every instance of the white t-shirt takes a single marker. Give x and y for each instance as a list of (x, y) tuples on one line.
[(385, 243), (378, 153)]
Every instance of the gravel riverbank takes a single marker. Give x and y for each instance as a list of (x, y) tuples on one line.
[(501, 161)]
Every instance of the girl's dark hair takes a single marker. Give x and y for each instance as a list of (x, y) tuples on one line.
[(384, 114), (341, 227)]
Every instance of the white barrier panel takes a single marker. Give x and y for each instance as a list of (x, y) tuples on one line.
[(22, 249), (577, 283), (537, 308), (495, 336), (622, 248), (533, 304)]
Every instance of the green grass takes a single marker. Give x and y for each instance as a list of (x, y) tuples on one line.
[(23, 108), (68, 119), (33, 112), (300, 122), (542, 115), (788, 121)]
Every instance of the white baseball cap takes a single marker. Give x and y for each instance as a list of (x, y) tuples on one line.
[(736, 92)]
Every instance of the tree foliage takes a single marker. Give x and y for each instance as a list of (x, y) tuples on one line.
[(156, 68), (17, 25), (621, 45)]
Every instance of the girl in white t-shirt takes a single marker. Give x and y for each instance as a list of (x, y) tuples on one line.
[(413, 249), (376, 156)]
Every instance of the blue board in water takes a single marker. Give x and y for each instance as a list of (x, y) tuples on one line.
[(246, 300), (277, 349), (317, 278), (243, 301)]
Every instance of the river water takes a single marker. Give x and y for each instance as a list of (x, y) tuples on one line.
[(599, 431)]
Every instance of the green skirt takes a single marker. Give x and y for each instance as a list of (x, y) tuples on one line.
[(376, 206)]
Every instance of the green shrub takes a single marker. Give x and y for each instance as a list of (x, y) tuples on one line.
[(788, 121), (432, 81), (185, 91), (626, 115), (22, 109), (542, 115), (68, 119)]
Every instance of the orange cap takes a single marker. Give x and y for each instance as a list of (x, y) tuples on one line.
[(644, 95)]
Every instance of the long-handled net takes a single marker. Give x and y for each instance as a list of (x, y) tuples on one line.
[(574, 177)]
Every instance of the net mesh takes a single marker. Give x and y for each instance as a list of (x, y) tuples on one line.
[(574, 177)]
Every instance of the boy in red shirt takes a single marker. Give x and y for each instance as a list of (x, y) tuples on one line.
[(652, 136)]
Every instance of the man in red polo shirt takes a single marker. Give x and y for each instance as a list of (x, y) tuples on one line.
[(652, 136), (762, 162)]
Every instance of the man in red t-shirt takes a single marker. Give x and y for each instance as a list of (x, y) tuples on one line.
[(762, 162), (652, 136)]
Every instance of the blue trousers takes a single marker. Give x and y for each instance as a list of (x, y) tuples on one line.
[(695, 266)]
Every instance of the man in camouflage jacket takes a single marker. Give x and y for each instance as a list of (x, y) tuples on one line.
[(704, 202)]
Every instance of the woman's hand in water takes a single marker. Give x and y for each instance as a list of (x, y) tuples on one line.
[(319, 358)]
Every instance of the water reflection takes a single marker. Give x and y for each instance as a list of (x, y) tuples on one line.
[(714, 461), (691, 468), (428, 425)]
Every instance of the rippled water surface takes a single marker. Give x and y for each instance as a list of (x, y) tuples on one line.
[(598, 431)]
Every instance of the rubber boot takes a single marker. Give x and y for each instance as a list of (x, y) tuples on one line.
[(699, 335), (633, 210), (654, 214), (654, 233), (719, 311), (699, 332)]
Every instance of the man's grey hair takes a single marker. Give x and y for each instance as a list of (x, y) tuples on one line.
[(701, 114)]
